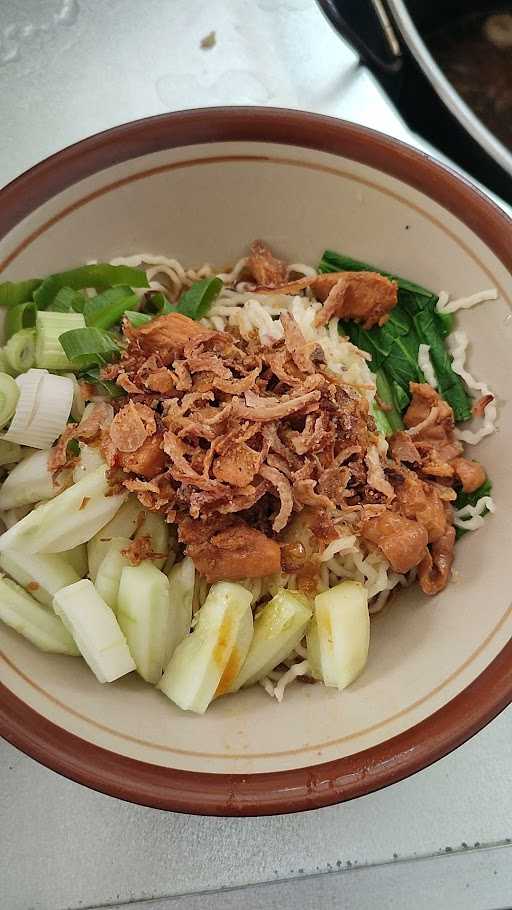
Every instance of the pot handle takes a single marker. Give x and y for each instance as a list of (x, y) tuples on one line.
[(366, 25)]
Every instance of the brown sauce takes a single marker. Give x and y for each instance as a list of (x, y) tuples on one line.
[(475, 54)]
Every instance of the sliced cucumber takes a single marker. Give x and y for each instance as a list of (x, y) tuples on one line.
[(66, 521), (41, 574), (207, 661), (30, 481), (90, 459), (10, 452), (143, 612), (95, 630), (182, 579), (109, 573), (278, 629), (313, 649), (77, 558), (156, 528), (123, 524), (343, 627), (23, 614)]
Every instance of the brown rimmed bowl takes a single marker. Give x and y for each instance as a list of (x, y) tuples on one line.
[(200, 185)]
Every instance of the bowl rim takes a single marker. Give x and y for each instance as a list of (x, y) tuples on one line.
[(325, 784)]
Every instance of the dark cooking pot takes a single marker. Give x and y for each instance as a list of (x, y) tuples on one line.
[(388, 35)]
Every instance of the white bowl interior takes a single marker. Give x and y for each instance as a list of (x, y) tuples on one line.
[(206, 203)]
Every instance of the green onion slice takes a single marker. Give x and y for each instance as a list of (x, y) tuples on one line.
[(196, 302), (9, 394), (106, 309), (21, 316), (14, 292), (100, 275), (20, 350), (89, 347)]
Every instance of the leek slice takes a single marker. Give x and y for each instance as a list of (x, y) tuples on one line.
[(23, 614), (30, 481), (9, 394), (207, 661), (343, 628), (43, 409), (108, 576), (41, 575), (144, 616), (278, 629), (95, 630), (66, 521)]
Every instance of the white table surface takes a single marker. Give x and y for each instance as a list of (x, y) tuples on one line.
[(69, 68)]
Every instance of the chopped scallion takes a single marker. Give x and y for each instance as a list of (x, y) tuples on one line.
[(105, 310), (50, 354), (20, 350), (137, 319), (100, 275), (196, 302), (14, 292), (21, 316), (156, 303), (9, 394), (68, 301), (89, 346)]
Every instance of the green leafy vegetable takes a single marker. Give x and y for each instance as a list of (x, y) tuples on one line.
[(381, 420), (196, 302), (336, 262), (105, 386), (394, 346), (21, 316), (89, 347), (450, 384), (68, 300), (100, 275), (14, 292), (137, 319), (106, 309), (385, 394), (471, 499)]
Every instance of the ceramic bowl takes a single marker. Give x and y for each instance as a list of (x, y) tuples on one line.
[(200, 185)]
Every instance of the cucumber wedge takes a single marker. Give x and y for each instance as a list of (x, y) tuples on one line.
[(108, 577), (25, 615), (313, 649), (123, 524), (204, 665), (143, 612), (77, 558), (343, 628), (181, 594), (278, 629), (41, 574), (66, 521), (156, 528), (95, 630), (30, 481)]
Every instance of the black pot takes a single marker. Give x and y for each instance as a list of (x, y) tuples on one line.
[(388, 35)]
